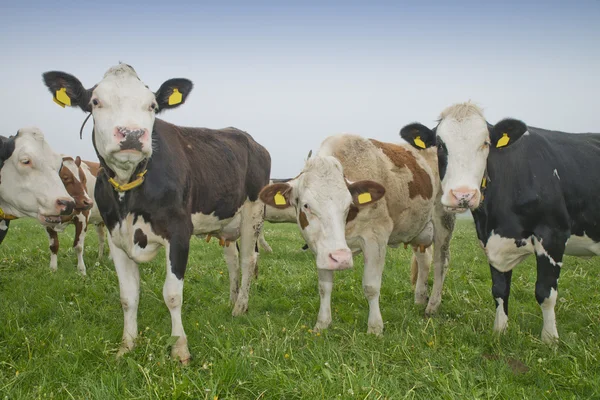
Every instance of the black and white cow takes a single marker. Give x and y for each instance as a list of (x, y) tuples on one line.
[(530, 191), (163, 183), (29, 182)]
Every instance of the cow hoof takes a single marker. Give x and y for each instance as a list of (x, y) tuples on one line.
[(421, 299), (376, 330), (181, 353), (549, 338), (431, 309), (82, 271), (239, 309), (321, 326), (124, 349)]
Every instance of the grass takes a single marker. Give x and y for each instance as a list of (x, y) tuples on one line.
[(60, 331)]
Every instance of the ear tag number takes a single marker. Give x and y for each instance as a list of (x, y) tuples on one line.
[(62, 98), (419, 142), (364, 198), (279, 199), (175, 97), (503, 141)]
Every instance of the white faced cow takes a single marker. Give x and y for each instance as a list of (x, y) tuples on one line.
[(530, 192), (29, 181), (162, 183), (341, 208)]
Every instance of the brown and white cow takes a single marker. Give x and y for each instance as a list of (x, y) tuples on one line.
[(29, 182), (162, 183), (341, 208), (79, 180)]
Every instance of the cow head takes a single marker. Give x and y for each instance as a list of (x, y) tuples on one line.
[(322, 198), (464, 140), (123, 108), (74, 179), (29, 182)]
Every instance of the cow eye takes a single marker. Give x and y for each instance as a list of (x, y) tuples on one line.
[(26, 161), (486, 143), (95, 102), (306, 206), (154, 107)]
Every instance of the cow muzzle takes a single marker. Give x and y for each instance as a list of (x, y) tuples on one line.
[(131, 138), (339, 260), (461, 199)]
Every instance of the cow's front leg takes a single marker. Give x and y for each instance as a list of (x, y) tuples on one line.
[(81, 222), (177, 250), (325, 288), (501, 292), (374, 254), (4, 223), (129, 287), (443, 227), (549, 254), (420, 264), (53, 241)]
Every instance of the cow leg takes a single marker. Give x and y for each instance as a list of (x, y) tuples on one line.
[(178, 250), (251, 225), (443, 226), (263, 242), (233, 265), (549, 255), (100, 233), (374, 254), (421, 263), (325, 288), (80, 221), (53, 239), (4, 223), (501, 292), (129, 287)]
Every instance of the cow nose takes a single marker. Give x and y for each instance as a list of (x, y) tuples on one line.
[(464, 196), (123, 132), (340, 259), (65, 206), (88, 203)]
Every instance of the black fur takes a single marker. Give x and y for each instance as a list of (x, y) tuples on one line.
[(166, 90), (80, 96), (411, 131)]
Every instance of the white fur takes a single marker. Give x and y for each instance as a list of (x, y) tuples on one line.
[(582, 246), (503, 254), (3, 225), (549, 332), (31, 190), (501, 321)]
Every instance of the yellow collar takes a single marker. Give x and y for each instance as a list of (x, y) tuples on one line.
[(7, 217), (128, 186)]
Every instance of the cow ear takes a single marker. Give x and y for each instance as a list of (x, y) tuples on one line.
[(365, 192), (68, 90), (173, 93), (418, 135), (276, 195), (507, 132), (78, 161)]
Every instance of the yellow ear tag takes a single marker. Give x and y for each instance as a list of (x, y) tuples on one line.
[(279, 199), (364, 198), (503, 141), (419, 142), (483, 182), (62, 97), (58, 102), (175, 97)]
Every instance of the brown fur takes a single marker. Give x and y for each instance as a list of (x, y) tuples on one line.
[(421, 183), (352, 213), (54, 237), (303, 220), (75, 187)]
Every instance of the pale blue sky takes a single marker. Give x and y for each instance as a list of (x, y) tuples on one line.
[(293, 74)]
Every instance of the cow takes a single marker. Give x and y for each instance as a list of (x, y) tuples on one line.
[(78, 178), (357, 195), (29, 181), (162, 183), (529, 192), (275, 215)]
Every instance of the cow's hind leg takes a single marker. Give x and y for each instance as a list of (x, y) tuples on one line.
[(101, 239), (549, 251), (129, 287), (421, 262), (4, 223), (80, 221), (263, 242), (251, 225), (233, 265), (54, 245), (177, 249), (443, 226)]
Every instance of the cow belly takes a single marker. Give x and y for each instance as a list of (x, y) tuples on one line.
[(582, 246), (504, 254), (137, 240), (228, 229)]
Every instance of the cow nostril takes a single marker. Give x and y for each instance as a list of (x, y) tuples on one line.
[(333, 258)]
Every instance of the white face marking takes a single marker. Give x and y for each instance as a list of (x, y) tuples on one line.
[(31, 185), (123, 102), (321, 194), (501, 321), (504, 254), (582, 246), (466, 138)]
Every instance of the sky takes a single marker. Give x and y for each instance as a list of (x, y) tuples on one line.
[(292, 73)]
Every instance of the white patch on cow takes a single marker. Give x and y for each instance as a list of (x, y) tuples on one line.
[(53, 261), (31, 184), (325, 289), (501, 321), (556, 174), (228, 228), (549, 332), (273, 214), (123, 235), (3, 225), (80, 246), (503, 254), (540, 251), (526, 133), (582, 246), (124, 101), (464, 130)]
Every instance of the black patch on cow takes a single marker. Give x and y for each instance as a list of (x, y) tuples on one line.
[(442, 153), (184, 86), (7, 147), (3, 232), (140, 238), (80, 96), (412, 131), (512, 128)]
